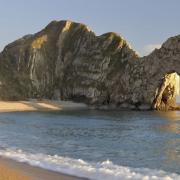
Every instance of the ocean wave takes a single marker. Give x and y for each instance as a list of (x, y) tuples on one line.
[(105, 170)]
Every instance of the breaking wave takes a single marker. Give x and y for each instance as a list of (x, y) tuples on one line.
[(105, 170)]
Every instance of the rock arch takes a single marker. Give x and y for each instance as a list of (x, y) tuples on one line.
[(67, 60), (161, 72)]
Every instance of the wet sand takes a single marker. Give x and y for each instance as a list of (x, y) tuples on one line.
[(35, 105), (12, 170)]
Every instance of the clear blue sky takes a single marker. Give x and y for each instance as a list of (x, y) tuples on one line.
[(144, 23)]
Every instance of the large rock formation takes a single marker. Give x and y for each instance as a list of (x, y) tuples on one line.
[(67, 61)]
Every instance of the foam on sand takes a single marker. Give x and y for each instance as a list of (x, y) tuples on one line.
[(102, 170)]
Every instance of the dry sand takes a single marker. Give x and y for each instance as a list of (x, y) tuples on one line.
[(35, 105)]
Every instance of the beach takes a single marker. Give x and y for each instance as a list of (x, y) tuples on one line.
[(54, 143), (39, 105), (12, 170)]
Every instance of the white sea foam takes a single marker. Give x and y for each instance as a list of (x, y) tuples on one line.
[(100, 171)]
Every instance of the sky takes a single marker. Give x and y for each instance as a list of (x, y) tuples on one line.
[(145, 24)]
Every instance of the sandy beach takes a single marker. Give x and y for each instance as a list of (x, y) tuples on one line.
[(35, 105), (12, 170)]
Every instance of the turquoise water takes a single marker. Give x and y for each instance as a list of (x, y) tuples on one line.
[(126, 141)]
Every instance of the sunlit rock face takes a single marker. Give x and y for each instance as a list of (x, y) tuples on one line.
[(159, 75), (167, 92), (67, 61)]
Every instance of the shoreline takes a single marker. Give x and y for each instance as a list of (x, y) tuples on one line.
[(14, 170), (46, 105), (36, 105)]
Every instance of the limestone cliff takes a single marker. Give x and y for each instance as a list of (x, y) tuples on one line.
[(67, 61)]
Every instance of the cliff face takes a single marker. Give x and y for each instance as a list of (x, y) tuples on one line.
[(67, 61)]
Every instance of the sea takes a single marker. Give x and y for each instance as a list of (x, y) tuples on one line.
[(95, 144)]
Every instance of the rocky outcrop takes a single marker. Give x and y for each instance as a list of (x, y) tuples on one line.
[(161, 69), (67, 61), (167, 92)]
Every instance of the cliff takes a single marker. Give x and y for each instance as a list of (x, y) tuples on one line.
[(67, 61)]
